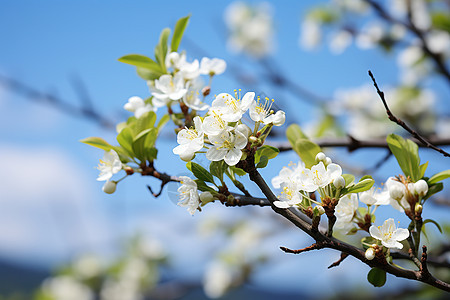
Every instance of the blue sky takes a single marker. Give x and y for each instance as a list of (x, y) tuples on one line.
[(51, 192)]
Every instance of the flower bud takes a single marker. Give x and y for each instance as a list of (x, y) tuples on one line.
[(206, 197), (320, 157), (370, 253), (109, 187), (418, 208), (396, 191), (319, 209), (339, 182), (253, 139), (279, 118), (187, 156), (421, 187), (244, 129), (327, 161)]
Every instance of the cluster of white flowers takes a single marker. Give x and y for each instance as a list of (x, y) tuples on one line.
[(223, 130), (296, 182), (250, 28), (183, 84), (109, 165)]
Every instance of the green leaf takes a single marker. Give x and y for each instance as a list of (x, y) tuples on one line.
[(151, 153), (201, 185), (97, 142), (407, 154), (434, 222), (441, 20), (237, 171), (439, 177), (263, 161), (367, 241), (163, 121), (269, 151), (349, 179), (307, 151), (433, 189), (361, 186), (200, 172), (178, 33), (161, 49), (147, 74), (142, 62), (377, 277), (294, 133), (422, 169), (146, 121), (138, 145), (217, 168), (125, 139)]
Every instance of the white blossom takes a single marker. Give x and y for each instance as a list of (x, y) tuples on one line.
[(227, 146), (192, 96), (67, 288), (175, 60), (374, 196), (290, 195), (218, 279), (311, 34), (421, 187), (319, 176), (190, 140), (188, 194), (345, 211), (214, 66), (262, 112), (190, 71), (388, 234), (109, 165), (168, 88), (230, 108), (288, 175), (340, 41), (137, 106)]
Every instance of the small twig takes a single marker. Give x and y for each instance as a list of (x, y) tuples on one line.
[(314, 246), (424, 268), (403, 124), (338, 262)]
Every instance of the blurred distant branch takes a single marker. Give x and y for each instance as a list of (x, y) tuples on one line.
[(437, 59), (403, 124), (86, 110), (353, 144)]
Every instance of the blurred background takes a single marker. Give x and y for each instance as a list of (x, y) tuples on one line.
[(60, 82)]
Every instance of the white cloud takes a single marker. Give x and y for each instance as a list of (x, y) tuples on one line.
[(47, 210)]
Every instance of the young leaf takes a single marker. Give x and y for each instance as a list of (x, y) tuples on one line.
[(263, 161), (439, 177), (307, 151), (377, 277), (178, 33), (161, 49), (237, 171), (201, 185), (294, 133), (200, 172), (407, 154), (422, 169), (269, 151), (361, 186), (142, 62), (125, 139), (163, 121), (434, 222), (217, 168), (349, 179), (97, 142), (147, 74), (433, 189)]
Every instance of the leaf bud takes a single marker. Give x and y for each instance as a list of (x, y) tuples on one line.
[(319, 209), (327, 161), (109, 187), (418, 208), (253, 139)]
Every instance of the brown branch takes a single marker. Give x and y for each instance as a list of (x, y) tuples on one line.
[(163, 177), (315, 246), (403, 124), (338, 262), (329, 242)]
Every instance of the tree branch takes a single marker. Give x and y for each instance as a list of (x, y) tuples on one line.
[(403, 124)]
